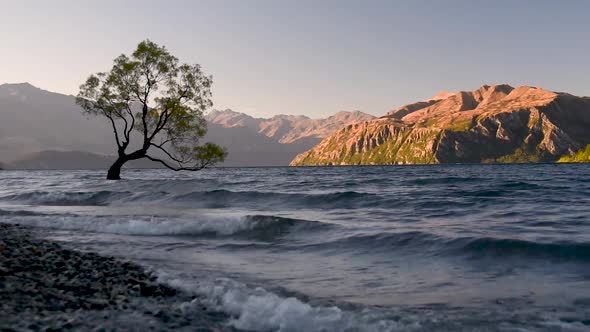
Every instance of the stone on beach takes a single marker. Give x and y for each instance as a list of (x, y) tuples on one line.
[(44, 286)]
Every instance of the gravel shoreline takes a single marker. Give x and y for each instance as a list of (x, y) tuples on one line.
[(45, 287)]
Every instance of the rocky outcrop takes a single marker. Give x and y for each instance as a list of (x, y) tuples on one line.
[(495, 123)]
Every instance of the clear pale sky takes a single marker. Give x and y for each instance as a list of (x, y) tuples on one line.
[(312, 57)]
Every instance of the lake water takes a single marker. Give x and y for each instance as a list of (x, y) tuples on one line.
[(397, 248)]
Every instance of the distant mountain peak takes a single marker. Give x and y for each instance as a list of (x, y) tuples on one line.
[(350, 113), (288, 128), (225, 111), (442, 95), (16, 85), (20, 90), (25, 86), (291, 117)]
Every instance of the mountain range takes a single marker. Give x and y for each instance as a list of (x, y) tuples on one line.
[(274, 141), (41, 129), (496, 123), (34, 120)]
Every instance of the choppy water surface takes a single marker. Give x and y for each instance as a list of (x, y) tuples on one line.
[(474, 247)]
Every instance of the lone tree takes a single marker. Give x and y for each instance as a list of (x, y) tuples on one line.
[(150, 94)]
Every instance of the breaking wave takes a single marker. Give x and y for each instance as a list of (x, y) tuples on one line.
[(225, 198), (202, 199), (256, 226), (257, 309)]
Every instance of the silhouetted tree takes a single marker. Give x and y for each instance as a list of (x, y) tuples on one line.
[(151, 93)]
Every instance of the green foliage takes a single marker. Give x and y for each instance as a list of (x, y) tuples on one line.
[(521, 155), (580, 157), (431, 122), (533, 121), (151, 93), (461, 125), (407, 148)]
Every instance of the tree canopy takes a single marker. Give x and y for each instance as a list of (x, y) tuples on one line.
[(152, 98)]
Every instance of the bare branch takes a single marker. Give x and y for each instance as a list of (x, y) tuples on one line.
[(159, 147), (144, 121), (128, 131), (195, 168), (161, 123), (114, 128)]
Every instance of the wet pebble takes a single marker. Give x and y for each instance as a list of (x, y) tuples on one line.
[(46, 287)]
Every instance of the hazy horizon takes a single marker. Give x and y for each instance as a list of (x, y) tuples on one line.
[(309, 58)]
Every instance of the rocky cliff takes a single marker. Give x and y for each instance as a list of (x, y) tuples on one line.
[(495, 123)]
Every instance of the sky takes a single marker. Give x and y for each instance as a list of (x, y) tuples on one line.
[(311, 57)]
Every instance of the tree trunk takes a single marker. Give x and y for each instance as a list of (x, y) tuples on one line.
[(115, 169)]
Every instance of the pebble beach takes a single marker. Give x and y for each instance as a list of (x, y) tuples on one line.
[(44, 286)]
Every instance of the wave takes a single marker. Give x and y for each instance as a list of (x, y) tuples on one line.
[(264, 227), (436, 245), (252, 308), (513, 185), (257, 309), (511, 247), (19, 213), (200, 199), (261, 227), (520, 185), (225, 198), (443, 180), (62, 198)]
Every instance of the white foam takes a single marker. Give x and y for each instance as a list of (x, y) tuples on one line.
[(137, 225), (52, 197), (256, 309)]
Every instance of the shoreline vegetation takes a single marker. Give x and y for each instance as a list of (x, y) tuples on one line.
[(44, 286), (583, 156)]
